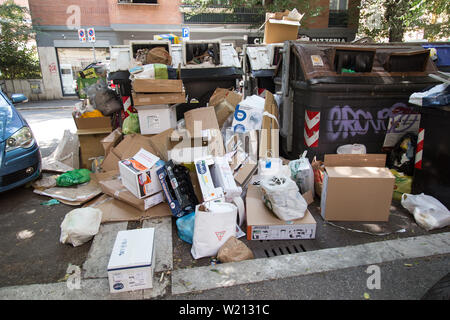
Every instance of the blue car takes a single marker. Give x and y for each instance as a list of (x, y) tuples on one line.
[(20, 157)]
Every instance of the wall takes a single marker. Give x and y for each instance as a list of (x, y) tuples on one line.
[(54, 13), (165, 12), (50, 73)]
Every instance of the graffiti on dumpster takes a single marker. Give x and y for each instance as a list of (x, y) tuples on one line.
[(347, 121)]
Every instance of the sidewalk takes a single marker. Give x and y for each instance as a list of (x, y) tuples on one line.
[(48, 104)]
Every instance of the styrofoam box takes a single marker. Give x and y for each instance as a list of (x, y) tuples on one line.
[(155, 119), (132, 260)]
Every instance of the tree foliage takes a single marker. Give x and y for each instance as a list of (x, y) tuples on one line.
[(310, 8), (391, 19), (18, 59)]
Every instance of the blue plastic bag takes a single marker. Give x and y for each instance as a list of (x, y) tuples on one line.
[(185, 226)]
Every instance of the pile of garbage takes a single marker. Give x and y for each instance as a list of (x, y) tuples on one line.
[(217, 171)]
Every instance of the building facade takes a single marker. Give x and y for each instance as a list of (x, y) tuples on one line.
[(117, 22)]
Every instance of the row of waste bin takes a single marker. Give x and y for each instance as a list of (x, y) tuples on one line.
[(334, 94)]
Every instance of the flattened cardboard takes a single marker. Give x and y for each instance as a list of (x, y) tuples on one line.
[(161, 144), (144, 99), (116, 211), (262, 224), (157, 85), (356, 192)]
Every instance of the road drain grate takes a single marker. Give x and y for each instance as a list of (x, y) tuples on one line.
[(270, 249)]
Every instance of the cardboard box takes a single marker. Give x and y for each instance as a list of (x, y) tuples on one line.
[(127, 148), (209, 190), (138, 174), (145, 99), (224, 102), (204, 119), (157, 85), (270, 133), (356, 187), (155, 119), (90, 145), (92, 123), (132, 261), (262, 224), (111, 140), (278, 29), (114, 188)]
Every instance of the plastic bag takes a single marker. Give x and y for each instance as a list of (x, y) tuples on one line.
[(74, 177), (302, 173), (215, 223), (281, 196), (185, 226), (403, 184), (318, 169), (351, 149), (428, 212), (131, 124), (80, 225)]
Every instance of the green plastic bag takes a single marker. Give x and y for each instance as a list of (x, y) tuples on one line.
[(403, 184), (131, 124), (74, 177)]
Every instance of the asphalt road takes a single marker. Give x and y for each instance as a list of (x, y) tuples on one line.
[(29, 231)]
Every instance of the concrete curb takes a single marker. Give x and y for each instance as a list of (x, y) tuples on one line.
[(43, 108), (246, 272), (298, 264)]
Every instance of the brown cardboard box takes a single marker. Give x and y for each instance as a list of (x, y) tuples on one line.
[(278, 30), (224, 102), (92, 123), (356, 187), (127, 148), (111, 140), (145, 99), (157, 85), (114, 188), (262, 224), (90, 145), (201, 119)]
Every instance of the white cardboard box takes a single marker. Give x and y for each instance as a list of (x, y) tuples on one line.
[(155, 119), (209, 190), (138, 174), (132, 260)]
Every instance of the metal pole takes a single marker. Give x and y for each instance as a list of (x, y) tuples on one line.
[(93, 47)]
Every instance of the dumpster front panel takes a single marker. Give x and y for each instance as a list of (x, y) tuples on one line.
[(323, 121), (432, 170)]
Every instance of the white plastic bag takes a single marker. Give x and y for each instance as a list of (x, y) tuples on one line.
[(351, 149), (281, 196), (215, 223), (302, 173), (80, 225), (428, 212)]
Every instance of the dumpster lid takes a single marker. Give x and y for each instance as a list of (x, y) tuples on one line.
[(323, 60)]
